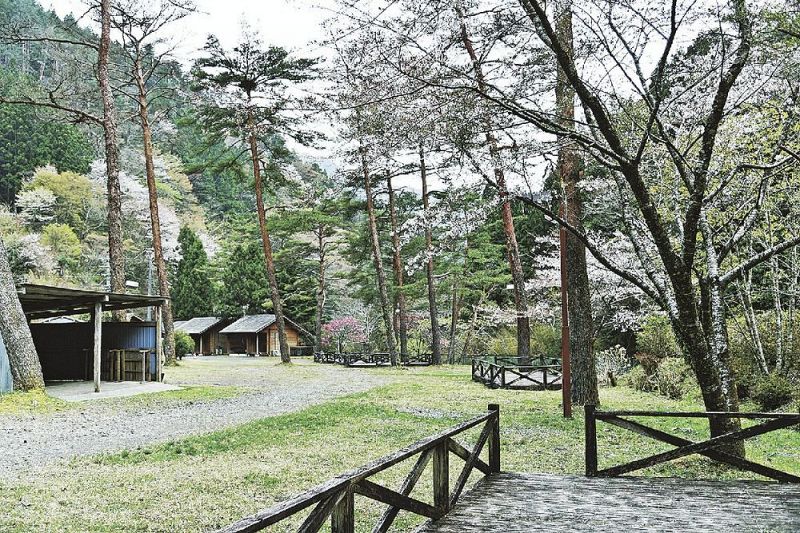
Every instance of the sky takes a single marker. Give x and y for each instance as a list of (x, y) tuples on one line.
[(293, 24)]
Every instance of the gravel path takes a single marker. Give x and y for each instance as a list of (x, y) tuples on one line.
[(33, 441)]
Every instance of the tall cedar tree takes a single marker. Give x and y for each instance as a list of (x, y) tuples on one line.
[(301, 259), (192, 291), (244, 280), (80, 113), (436, 353), (399, 274), (512, 246), (116, 257), (258, 77), (579, 302), (377, 257), (26, 370), (140, 27)]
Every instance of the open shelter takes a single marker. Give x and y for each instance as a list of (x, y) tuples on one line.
[(77, 350)]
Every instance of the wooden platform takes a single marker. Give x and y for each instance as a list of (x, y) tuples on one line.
[(544, 502)]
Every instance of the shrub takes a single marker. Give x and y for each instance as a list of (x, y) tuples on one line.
[(611, 364), (656, 338), (773, 391), (546, 340), (183, 344), (504, 342), (638, 379), (674, 378)]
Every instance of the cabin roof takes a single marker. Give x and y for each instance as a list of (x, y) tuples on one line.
[(198, 325), (250, 324)]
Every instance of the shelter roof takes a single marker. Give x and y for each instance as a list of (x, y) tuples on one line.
[(42, 301)]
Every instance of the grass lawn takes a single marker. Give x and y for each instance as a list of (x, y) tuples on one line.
[(203, 482), (38, 402)]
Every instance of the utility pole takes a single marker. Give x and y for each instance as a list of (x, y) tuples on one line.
[(566, 381)]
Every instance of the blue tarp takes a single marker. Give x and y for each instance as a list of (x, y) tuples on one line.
[(6, 384)]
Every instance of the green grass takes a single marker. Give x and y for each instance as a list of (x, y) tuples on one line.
[(194, 393), (206, 481), (29, 403), (39, 402)]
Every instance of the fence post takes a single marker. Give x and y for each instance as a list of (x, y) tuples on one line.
[(503, 377), (590, 426), (494, 439), (343, 515), (441, 476)]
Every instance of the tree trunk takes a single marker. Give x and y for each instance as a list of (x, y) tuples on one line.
[(471, 328), (155, 223), (745, 289), (321, 290), (386, 308), (512, 247), (579, 306), (26, 370), (706, 346), (397, 263), (455, 309), (436, 344), (266, 243), (116, 257)]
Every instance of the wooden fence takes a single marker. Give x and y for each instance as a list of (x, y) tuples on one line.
[(369, 359), (333, 500), (420, 359), (685, 447), (512, 375)]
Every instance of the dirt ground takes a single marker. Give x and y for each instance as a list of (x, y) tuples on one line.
[(263, 388)]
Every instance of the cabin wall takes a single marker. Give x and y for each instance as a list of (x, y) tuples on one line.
[(212, 341), (271, 334)]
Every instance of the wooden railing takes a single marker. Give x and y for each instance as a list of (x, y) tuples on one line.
[(327, 357), (366, 359), (684, 447), (334, 499), (512, 375), (420, 359), (369, 359)]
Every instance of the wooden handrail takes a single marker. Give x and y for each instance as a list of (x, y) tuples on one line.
[(683, 447), (333, 498), (601, 415)]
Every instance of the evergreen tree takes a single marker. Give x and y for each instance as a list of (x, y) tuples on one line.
[(246, 288), (192, 291)]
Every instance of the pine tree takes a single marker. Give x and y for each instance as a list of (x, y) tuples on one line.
[(192, 291), (258, 76), (246, 288)]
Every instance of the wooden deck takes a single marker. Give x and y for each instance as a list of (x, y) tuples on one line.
[(544, 502)]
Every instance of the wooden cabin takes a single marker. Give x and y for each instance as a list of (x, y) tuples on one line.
[(258, 335), (205, 332)]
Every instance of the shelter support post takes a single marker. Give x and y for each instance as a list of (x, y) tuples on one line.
[(97, 316)]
